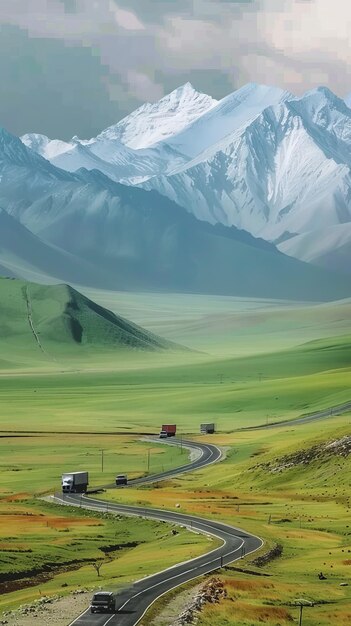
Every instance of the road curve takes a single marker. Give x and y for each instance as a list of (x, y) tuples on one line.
[(133, 602), (208, 454)]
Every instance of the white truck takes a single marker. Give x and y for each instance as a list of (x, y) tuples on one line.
[(75, 482)]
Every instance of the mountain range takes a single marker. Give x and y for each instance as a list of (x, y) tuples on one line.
[(260, 159), (189, 194)]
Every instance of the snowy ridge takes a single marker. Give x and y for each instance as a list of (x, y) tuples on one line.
[(120, 163), (259, 159), (47, 148), (228, 115), (347, 100), (284, 173), (156, 122), (85, 228)]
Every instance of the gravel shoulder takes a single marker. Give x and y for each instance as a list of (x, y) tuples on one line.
[(48, 611)]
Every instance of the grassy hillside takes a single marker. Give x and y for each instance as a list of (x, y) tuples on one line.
[(42, 323), (254, 362), (236, 387), (225, 325)]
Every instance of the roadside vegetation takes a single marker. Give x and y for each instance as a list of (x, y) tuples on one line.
[(48, 550), (250, 363), (291, 487)]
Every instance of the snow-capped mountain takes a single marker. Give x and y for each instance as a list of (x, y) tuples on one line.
[(287, 172), (126, 151), (259, 159), (231, 113), (86, 228), (158, 138), (47, 148), (270, 176), (156, 122), (120, 163)]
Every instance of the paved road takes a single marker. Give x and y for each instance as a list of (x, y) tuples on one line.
[(207, 454), (134, 601), (312, 417)]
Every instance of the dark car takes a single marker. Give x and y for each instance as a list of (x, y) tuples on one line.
[(103, 602), (121, 479)]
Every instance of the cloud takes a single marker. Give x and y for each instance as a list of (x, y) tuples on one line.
[(143, 47), (143, 87), (294, 43), (56, 89), (126, 19)]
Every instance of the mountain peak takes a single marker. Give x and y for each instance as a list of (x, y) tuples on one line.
[(321, 96), (46, 147), (154, 122), (184, 90)]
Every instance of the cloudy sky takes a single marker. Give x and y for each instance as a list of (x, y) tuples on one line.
[(76, 66)]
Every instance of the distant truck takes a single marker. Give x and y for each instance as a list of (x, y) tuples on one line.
[(121, 479), (168, 430), (207, 429), (75, 482)]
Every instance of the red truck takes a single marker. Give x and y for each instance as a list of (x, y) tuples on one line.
[(168, 430)]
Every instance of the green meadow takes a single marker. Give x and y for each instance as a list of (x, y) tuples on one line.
[(269, 484), (248, 362), (51, 550)]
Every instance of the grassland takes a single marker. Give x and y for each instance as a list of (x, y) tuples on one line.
[(51, 548), (33, 464), (235, 392), (48, 550), (303, 506), (250, 363)]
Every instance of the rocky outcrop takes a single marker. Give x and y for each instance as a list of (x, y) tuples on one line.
[(210, 593), (339, 447)]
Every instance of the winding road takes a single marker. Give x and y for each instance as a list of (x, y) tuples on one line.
[(207, 454), (133, 602)]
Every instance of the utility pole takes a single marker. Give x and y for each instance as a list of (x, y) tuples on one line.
[(302, 603)]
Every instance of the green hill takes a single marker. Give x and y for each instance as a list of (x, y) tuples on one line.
[(49, 322)]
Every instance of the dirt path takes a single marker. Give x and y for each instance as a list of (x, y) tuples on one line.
[(31, 323), (30, 317)]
